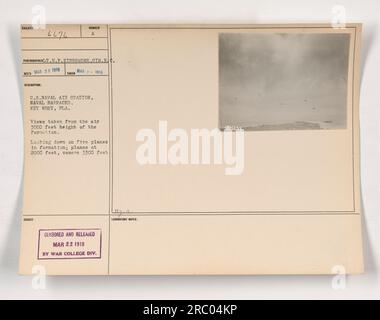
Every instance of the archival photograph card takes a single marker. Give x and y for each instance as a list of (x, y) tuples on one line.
[(191, 149)]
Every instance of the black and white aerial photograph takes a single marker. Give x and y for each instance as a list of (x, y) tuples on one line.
[(283, 81)]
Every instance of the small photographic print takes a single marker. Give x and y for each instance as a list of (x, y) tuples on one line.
[(283, 81)]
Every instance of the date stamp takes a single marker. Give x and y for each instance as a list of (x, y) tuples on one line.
[(56, 244)]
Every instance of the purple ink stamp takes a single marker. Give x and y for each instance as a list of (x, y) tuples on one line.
[(69, 244)]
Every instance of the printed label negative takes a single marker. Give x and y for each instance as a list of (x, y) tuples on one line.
[(69, 244)]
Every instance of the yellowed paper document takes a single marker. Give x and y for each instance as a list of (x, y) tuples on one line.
[(191, 149)]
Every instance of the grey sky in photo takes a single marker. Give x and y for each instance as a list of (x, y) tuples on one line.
[(283, 81)]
